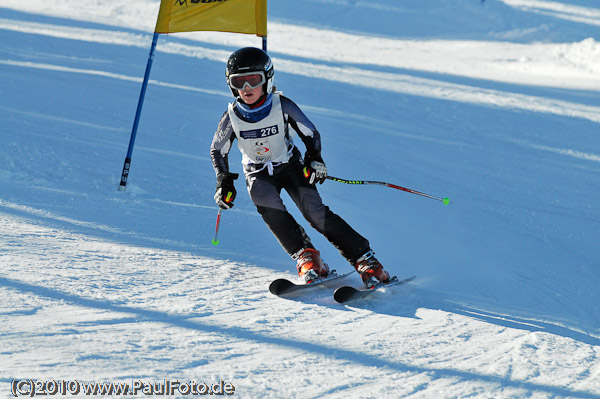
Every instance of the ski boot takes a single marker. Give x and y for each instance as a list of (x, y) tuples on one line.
[(310, 266), (370, 270)]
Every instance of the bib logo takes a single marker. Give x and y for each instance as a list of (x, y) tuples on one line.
[(262, 151), (184, 2)]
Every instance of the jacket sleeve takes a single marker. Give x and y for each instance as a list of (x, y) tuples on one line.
[(305, 129), (221, 144)]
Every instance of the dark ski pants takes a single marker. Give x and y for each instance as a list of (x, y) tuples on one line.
[(265, 191)]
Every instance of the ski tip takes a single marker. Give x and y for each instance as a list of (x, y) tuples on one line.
[(280, 286), (344, 294), (347, 293)]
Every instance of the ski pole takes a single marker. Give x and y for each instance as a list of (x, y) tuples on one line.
[(446, 201), (215, 241)]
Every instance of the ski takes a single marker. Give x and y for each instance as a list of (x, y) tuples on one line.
[(284, 286), (347, 293)]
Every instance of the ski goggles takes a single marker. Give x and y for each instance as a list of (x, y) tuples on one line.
[(253, 79)]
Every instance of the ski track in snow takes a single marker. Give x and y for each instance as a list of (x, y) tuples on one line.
[(575, 13), (100, 286)]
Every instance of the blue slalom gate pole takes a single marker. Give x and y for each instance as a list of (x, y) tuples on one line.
[(136, 121)]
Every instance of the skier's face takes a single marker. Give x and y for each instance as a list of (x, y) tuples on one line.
[(249, 95)]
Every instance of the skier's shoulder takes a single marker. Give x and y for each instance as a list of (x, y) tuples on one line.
[(225, 115), (290, 108), (286, 102), (224, 122)]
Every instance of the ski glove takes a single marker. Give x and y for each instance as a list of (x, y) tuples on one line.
[(225, 192), (314, 169)]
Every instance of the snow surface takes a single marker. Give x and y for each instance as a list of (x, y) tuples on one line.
[(494, 104)]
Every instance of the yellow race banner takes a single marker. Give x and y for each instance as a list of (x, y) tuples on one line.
[(239, 16)]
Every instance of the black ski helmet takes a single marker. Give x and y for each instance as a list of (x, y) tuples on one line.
[(250, 59)]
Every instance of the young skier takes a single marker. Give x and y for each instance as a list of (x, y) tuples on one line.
[(260, 119)]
